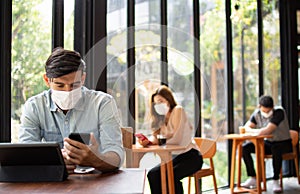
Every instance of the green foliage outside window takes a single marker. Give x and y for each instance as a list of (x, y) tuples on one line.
[(30, 47)]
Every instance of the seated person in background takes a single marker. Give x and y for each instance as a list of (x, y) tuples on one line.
[(267, 120), (69, 107), (170, 119)]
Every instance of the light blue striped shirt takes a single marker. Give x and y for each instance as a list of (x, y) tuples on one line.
[(95, 112)]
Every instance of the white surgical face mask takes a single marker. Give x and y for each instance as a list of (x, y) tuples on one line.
[(161, 108), (267, 115), (66, 100)]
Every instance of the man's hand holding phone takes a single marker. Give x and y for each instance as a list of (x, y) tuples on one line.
[(76, 152), (143, 140), (80, 137)]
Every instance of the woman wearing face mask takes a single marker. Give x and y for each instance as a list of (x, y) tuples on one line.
[(268, 119), (170, 119)]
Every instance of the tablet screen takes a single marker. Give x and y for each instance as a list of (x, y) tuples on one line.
[(31, 158)]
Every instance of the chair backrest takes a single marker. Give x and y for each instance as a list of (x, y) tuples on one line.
[(295, 137), (127, 137), (208, 147)]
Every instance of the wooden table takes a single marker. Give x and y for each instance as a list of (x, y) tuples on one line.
[(122, 181), (258, 141), (165, 153)]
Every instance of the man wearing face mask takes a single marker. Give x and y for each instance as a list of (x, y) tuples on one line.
[(266, 120), (69, 107)]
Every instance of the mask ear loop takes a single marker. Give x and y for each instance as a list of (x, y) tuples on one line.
[(83, 70), (83, 66), (83, 80), (49, 81)]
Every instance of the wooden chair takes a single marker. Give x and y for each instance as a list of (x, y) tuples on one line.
[(127, 137), (288, 156), (208, 148)]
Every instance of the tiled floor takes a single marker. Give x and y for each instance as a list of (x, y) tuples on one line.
[(290, 186)]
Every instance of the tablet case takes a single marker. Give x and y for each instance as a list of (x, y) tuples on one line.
[(31, 162)]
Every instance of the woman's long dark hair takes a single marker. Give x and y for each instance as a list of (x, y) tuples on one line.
[(156, 119)]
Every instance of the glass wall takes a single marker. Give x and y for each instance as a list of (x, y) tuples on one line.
[(213, 84), (69, 24), (31, 45), (245, 59), (147, 59), (245, 56), (181, 54), (271, 42), (117, 54), (246, 62)]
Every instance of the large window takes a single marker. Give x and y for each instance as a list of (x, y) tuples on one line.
[(180, 54), (69, 24), (180, 64), (116, 54), (245, 60), (213, 84), (147, 59), (31, 45), (271, 42)]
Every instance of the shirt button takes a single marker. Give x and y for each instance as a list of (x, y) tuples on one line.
[(66, 122)]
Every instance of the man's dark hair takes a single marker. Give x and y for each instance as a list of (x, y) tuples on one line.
[(62, 62), (266, 101)]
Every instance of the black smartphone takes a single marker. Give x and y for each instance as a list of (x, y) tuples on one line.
[(81, 137)]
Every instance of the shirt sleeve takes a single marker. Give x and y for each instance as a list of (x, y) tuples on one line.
[(29, 130), (252, 118), (278, 117), (110, 128)]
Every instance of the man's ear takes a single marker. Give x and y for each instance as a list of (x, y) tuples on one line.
[(46, 80)]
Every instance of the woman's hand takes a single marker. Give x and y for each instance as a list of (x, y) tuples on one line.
[(144, 142)]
